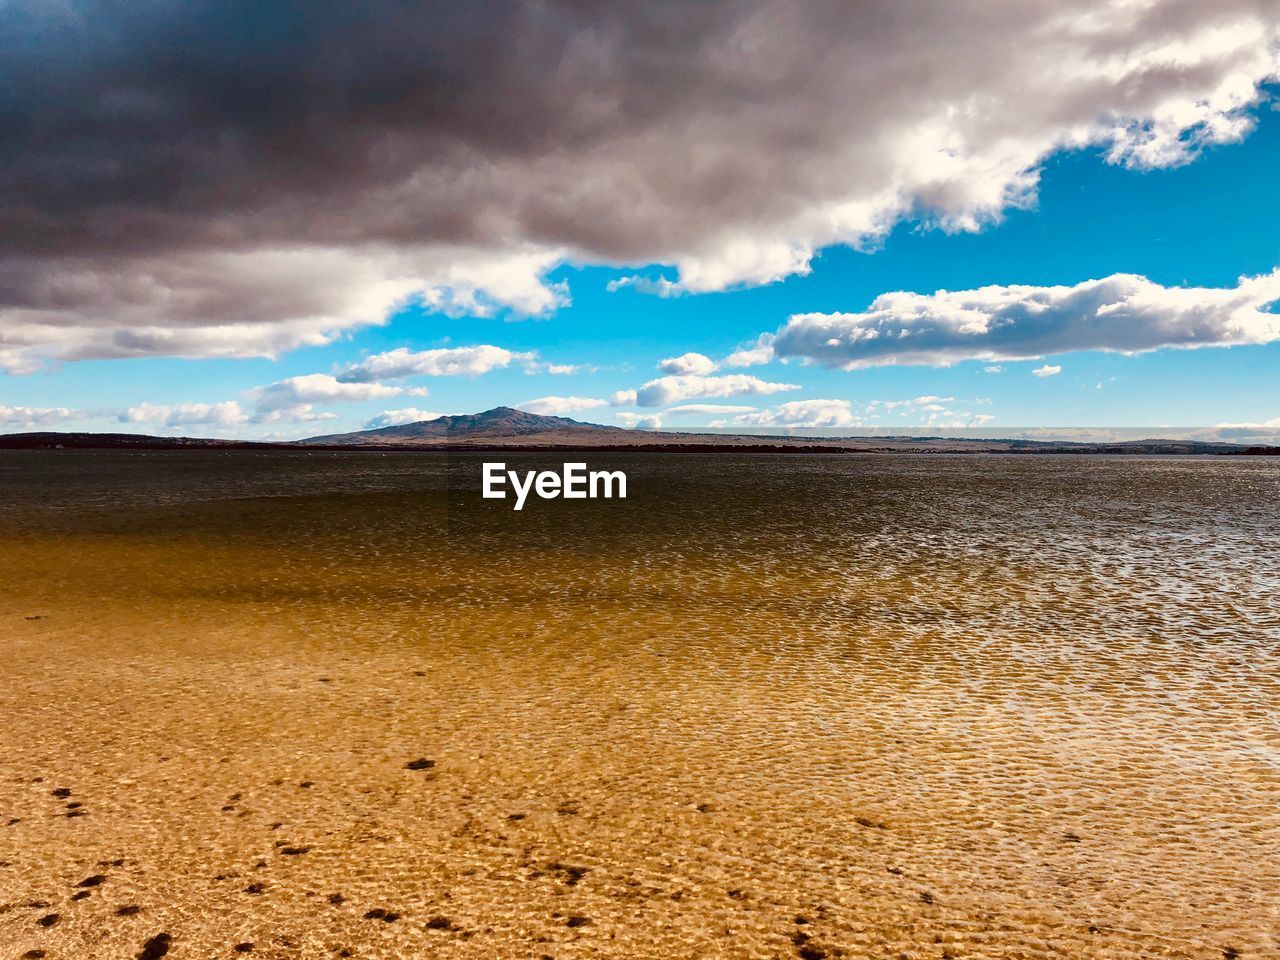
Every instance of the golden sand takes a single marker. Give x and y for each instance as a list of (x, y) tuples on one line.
[(329, 724)]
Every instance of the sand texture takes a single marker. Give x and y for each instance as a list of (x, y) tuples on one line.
[(336, 706)]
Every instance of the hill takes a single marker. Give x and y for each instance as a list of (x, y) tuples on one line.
[(505, 428), (499, 423), (508, 428)]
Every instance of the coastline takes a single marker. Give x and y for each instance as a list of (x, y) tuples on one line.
[(645, 443)]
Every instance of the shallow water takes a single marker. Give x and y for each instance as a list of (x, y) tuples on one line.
[(768, 706)]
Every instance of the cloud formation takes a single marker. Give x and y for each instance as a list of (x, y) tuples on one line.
[(394, 418), (831, 414), (654, 286), (294, 399), (800, 413), (259, 302), (665, 391), (640, 421), (699, 409), (559, 406), (752, 355), (926, 402), (696, 364), (444, 362), (226, 414), (1266, 432), (1048, 370), (236, 178), (1122, 313), (556, 369), (929, 411), (36, 416)]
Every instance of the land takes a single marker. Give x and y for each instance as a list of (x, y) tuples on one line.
[(507, 429)]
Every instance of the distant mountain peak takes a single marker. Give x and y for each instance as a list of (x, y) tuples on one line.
[(497, 423)]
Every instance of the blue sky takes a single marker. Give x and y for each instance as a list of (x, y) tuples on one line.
[(1205, 224), (1196, 219)]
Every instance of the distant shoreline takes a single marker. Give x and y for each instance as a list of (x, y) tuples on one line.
[(643, 443)]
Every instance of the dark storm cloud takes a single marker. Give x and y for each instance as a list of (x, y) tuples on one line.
[(135, 126), (232, 178)]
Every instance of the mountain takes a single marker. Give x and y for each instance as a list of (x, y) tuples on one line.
[(505, 428), (500, 423)]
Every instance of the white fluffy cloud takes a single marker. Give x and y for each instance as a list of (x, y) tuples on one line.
[(444, 362), (555, 369), (1266, 432), (656, 286), (226, 414), (704, 409), (665, 391), (800, 413), (293, 399), (731, 140), (960, 130), (394, 418), (1272, 424), (695, 364), (929, 410), (230, 304), (640, 421), (1122, 313), (927, 401), (559, 406), (753, 355), (1048, 370), (36, 416), (301, 413)]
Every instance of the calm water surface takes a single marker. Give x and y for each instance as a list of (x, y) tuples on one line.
[(768, 706)]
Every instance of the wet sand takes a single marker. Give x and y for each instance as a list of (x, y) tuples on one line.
[(324, 708)]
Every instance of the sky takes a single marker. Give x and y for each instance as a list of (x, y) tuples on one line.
[(255, 221)]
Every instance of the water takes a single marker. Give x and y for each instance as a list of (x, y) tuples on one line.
[(859, 706)]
